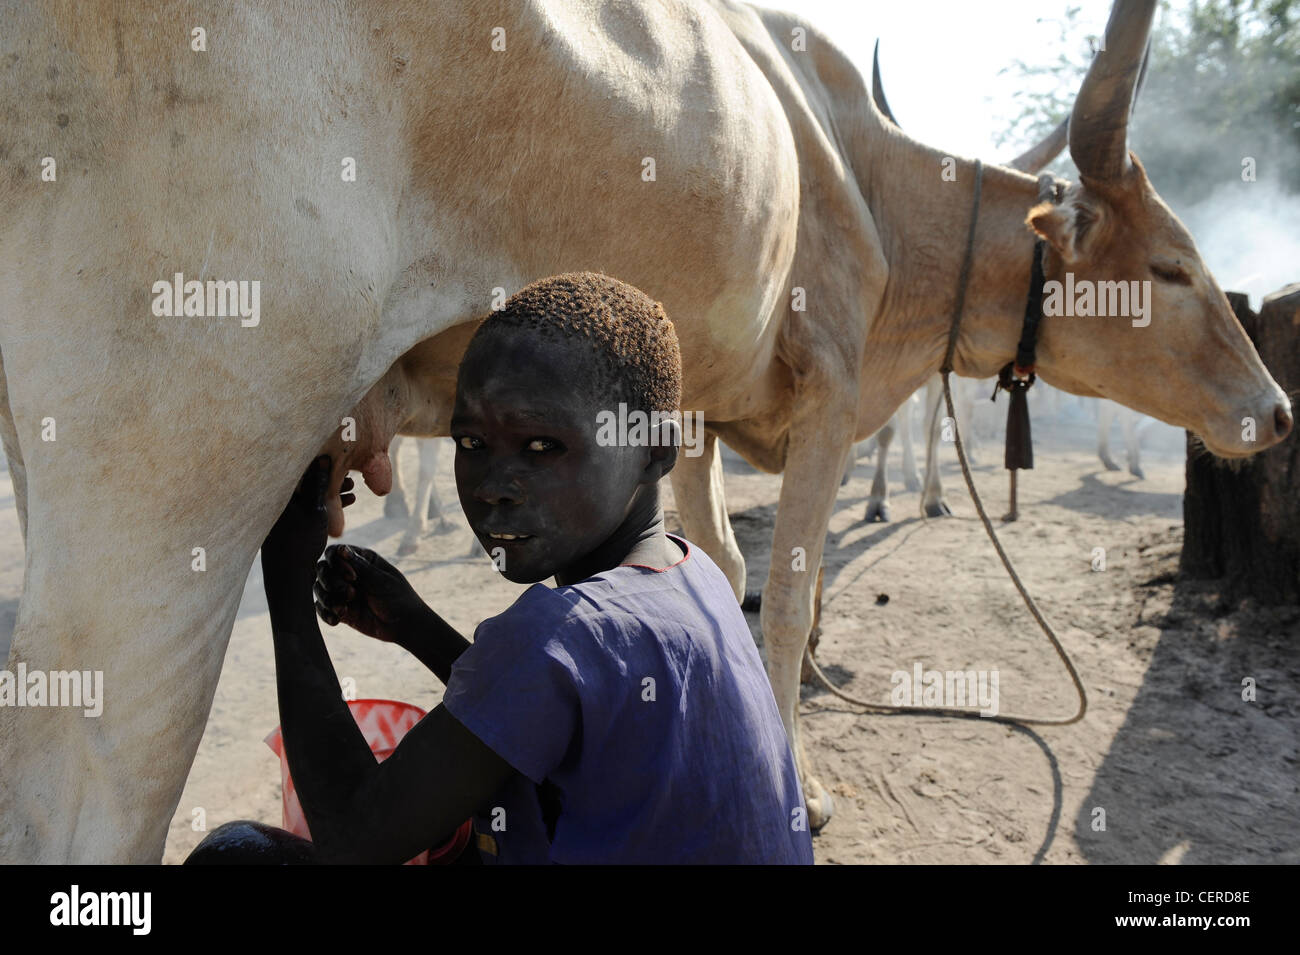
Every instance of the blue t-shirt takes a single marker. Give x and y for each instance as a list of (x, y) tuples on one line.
[(636, 704)]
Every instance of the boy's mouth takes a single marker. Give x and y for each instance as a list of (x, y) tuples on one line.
[(510, 537)]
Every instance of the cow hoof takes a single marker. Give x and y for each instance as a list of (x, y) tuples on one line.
[(1137, 472), (938, 508), (395, 508), (820, 805), (912, 481), (407, 547), (877, 512), (753, 601), (1110, 463), (443, 526)]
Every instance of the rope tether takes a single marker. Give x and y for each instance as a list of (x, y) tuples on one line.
[(951, 712)]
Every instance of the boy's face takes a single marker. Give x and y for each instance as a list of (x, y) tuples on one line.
[(527, 460)]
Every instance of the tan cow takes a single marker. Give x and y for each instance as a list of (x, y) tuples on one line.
[(695, 150)]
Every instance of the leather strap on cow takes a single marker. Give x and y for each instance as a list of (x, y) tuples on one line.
[(1017, 376)]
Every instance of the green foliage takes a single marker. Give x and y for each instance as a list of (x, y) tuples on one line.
[(1223, 84)]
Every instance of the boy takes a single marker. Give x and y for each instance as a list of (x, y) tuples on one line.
[(622, 716)]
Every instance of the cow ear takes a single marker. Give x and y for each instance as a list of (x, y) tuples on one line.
[(1066, 226), (1055, 224)]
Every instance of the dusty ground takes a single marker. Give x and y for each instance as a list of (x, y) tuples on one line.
[(1184, 770)]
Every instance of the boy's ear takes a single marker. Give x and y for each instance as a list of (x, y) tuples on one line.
[(664, 456)]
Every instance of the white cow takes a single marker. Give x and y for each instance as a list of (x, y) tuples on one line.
[(937, 429), (380, 169), (1132, 426), (425, 506)]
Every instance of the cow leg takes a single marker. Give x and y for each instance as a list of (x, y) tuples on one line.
[(175, 445), (861, 449), (1132, 443), (395, 501), (130, 606), (140, 622), (13, 453), (821, 434), (932, 501), (1106, 411), (806, 675), (426, 491), (425, 505), (417, 521), (702, 509), (903, 422), (963, 400), (878, 501)]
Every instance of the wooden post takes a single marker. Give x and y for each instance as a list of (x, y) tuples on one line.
[(1242, 519), (1012, 514)]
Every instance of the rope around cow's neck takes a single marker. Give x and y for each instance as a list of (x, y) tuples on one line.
[(952, 712)]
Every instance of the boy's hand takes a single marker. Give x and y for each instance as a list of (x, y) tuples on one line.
[(358, 587), (299, 535)]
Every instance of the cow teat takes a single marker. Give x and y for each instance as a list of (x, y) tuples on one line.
[(361, 441)]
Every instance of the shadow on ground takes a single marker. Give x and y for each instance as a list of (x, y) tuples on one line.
[(1117, 501), (1196, 774)]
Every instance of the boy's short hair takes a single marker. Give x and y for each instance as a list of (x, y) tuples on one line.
[(634, 345)]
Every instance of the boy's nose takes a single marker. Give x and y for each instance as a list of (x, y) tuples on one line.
[(500, 489)]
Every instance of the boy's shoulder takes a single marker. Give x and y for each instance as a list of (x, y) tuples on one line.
[(621, 590), (538, 606)]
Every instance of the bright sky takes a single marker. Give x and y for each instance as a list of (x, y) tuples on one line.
[(940, 59), (940, 62)]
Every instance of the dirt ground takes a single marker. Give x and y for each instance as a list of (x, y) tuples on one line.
[(1178, 767)]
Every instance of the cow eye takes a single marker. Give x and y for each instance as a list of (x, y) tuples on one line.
[(1171, 273)]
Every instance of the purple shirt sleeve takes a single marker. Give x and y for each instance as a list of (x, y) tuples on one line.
[(515, 688)]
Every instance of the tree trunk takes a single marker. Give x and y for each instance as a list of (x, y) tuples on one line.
[(1242, 519)]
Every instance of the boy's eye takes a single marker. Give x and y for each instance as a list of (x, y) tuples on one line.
[(542, 444), (466, 442)]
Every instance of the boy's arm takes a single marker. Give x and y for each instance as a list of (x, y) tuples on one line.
[(358, 587), (358, 809), (432, 641)]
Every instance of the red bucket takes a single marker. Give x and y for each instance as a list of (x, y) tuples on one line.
[(383, 723)]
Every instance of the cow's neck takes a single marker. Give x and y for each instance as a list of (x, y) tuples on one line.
[(923, 219)]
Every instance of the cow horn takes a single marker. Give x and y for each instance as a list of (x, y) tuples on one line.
[(1036, 157), (1142, 74), (1099, 123), (878, 89)]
